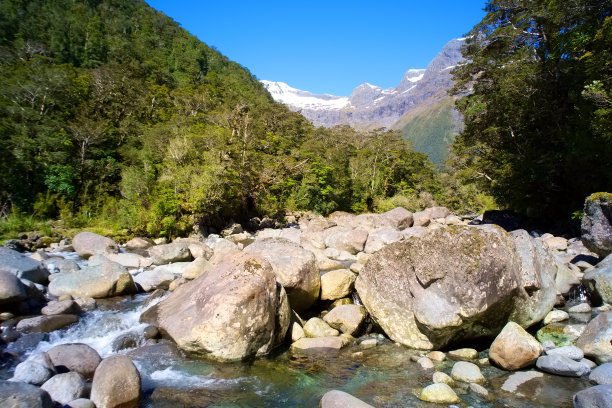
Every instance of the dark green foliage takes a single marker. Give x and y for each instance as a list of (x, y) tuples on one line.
[(111, 113), (538, 133)]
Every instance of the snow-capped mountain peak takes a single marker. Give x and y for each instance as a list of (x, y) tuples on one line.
[(281, 92)]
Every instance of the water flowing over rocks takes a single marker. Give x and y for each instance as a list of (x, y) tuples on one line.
[(228, 313)]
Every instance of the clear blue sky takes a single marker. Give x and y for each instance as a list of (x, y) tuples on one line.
[(327, 46)]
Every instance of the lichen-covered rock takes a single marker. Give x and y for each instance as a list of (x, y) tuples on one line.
[(537, 292), (104, 280), (294, 267), (230, 313), (87, 244), (596, 340), (597, 223), (453, 282), (514, 348), (116, 383)]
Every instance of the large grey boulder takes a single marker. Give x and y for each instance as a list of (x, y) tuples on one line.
[(22, 266), (87, 244), (596, 340), (22, 395), (596, 225), (598, 281), (116, 383), (66, 387), (11, 288), (107, 279), (537, 292), (380, 237), (158, 278), (168, 253), (561, 365), (46, 324), (197, 248), (346, 239), (76, 357), (340, 399), (400, 218), (452, 283), (294, 267), (229, 313), (599, 396)]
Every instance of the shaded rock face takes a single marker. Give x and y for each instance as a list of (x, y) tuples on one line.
[(598, 281), (22, 266), (230, 313), (100, 281), (537, 293), (596, 340), (16, 394), (596, 225), (87, 244), (452, 283), (11, 288), (295, 268)]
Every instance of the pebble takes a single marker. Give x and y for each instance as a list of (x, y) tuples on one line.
[(467, 372), (437, 356), (440, 393), (479, 390), (440, 377), (368, 343), (464, 354), (425, 363)]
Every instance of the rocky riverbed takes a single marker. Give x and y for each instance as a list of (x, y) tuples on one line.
[(385, 310)]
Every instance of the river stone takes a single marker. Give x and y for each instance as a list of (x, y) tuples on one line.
[(596, 225), (580, 308), (316, 344), (11, 288), (440, 393), (514, 348), (599, 396), (316, 327), (116, 383), (565, 279), (561, 365), (230, 313), (294, 267), (337, 284), (467, 372), (596, 340), (463, 354), (453, 283), (61, 265), (537, 293), (22, 266), (130, 260), (437, 356), (32, 372), (197, 248), (442, 378), (346, 240), (560, 334), (101, 281), (139, 243), (400, 218), (340, 399), (602, 374), (421, 219), (168, 253), (76, 357), (346, 318), (22, 395), (158, 278), (381, 237), (196, 268), (80, 403), (598, 281), (572, 352), (297, 332), (555, 316), (515, 380), (66, 387), (61, 307), (425, 363), (87, 244), (45, 324)]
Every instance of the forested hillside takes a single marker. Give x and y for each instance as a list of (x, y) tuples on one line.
[(538, 119), (110, 112)]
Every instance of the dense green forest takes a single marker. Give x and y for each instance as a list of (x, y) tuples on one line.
[(111, 113), (538, 117)]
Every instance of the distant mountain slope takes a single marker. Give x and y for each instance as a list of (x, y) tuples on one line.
[(422, 94)]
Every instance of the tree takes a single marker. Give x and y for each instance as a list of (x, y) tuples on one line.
[(530, 72)]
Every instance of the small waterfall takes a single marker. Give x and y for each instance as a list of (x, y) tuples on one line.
[(578, 294)]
